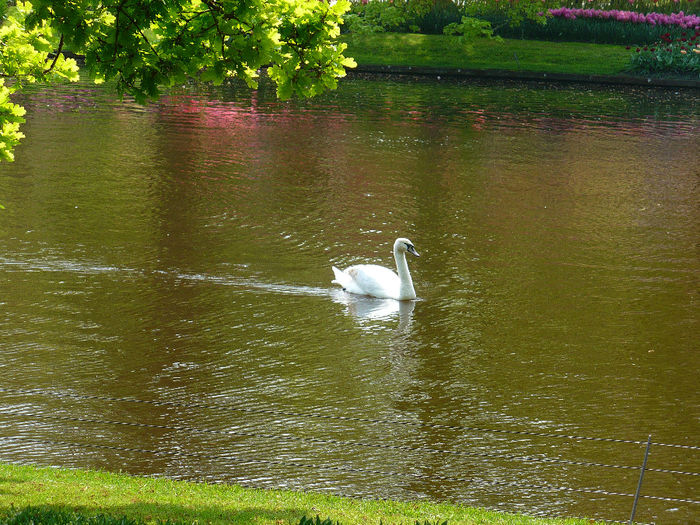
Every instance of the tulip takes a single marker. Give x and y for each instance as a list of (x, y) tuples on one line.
[(679, 19)]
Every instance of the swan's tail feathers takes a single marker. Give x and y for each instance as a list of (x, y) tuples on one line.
[(340, 277)]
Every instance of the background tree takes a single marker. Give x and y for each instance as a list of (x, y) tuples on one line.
[(146, 46)]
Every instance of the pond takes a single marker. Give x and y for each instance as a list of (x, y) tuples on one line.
[(167, 305)]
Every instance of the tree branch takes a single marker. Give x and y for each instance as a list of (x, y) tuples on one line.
[(138, 28), (216, 23), (55, 59)]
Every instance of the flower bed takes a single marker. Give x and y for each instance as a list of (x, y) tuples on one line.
[(670, 55), (674, 19), (595, 26)]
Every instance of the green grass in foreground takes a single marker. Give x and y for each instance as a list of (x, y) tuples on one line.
[(91, 493), (399, 49)]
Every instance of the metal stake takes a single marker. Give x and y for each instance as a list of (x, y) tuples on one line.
[(641, 477)]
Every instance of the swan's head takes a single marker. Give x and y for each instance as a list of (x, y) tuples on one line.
[(404, 245)]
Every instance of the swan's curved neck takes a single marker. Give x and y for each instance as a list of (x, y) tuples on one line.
[(406, 287)]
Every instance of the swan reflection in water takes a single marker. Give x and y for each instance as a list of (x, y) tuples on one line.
[(366, 308)]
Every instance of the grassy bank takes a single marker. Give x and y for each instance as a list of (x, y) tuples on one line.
[(90, 493), (400, 49)]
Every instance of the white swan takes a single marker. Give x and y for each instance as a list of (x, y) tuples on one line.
[(378, 281)]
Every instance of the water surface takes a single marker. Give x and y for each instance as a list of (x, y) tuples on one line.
[(179, 254)]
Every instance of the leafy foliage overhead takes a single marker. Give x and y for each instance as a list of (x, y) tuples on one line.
[(24, 59), (144, 46)]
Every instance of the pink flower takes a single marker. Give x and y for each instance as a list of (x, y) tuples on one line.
[(678, 19)]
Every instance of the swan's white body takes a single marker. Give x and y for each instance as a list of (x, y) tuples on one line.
[(378, 281)]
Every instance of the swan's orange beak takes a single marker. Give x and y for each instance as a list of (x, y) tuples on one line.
[(411, 249)]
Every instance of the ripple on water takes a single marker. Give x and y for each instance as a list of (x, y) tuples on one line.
[(180, 253)]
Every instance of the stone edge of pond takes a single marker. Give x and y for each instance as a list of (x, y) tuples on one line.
[(528, 75)]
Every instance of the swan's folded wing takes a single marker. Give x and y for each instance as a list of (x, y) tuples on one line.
[(371, 279)]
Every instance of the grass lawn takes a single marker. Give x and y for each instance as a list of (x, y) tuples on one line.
[(91, 493), (398, 49)]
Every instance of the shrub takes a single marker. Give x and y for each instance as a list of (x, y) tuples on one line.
[(514, 12), (430, 16), (470, 28), (441, 14), (374, 17), (416, 16), (523, 19)]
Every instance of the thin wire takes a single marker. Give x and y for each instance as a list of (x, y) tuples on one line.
[(343, 468), (350, 443), (331, 417)]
